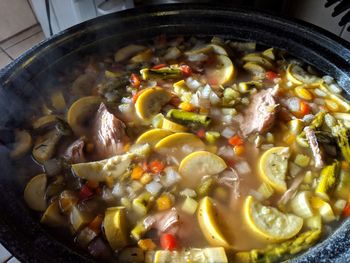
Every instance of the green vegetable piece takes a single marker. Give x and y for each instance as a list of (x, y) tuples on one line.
[(342, 135), (212, 136), (138, 231), (188, 117), (328, 179), (162, 73), (142, 203), (245, 87), (302, 160), (342, 189), (316, 123), (277, 252), (205, 187), (230, 96)]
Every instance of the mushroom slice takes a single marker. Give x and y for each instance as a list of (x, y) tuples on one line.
[(35, 192)]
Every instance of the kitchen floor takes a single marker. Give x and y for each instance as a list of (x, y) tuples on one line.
[(14, 46)]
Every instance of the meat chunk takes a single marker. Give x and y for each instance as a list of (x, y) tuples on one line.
[(315, 148), (163, 221), (75, 152), (109, 133), (260, 115)]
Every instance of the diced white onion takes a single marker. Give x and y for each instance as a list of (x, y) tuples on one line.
[(195, 100), (126, 100), (266, 146), (227, 119), (153, 187), (335, 88), (309, 117), (294, 169), (187, 192), (125, 108), (215, 112), (171, 177), (238, 118), (197, 57), (226, 152), (205, 92), (192, 83), (293, 104), (118, 190), (214, 99), (172, 53), (243, 167), (328, 79), (228, 133), (320, 93)]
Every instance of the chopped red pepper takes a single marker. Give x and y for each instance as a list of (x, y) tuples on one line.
[(168, 241), (95, 224), (346, 211), (305, 109), (135, 80), (85, 192), (235, 140), (159, 66), (201, 133), (156, 166), (212, 82), (270, 75), (186, 70)]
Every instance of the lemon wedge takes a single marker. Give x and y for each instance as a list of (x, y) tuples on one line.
[(181, 143), (270, 223), (207, 220), (152, 137), (222, 71), (151, 101), (273, 167), (200, 163)]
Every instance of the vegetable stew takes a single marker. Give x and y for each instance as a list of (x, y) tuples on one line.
[(189, 150)]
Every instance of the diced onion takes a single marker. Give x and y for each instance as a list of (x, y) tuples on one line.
[(126, 100), (308, 118), (227, 119), (335, 88), (153, 187), (192, 83), (214, 99), (294, 169), (205, 92), (242, 167), (171, 177), (172, 53), (197, 57), (187, 192), (226, 152), (320, 93), (228, 133), (293, 104)]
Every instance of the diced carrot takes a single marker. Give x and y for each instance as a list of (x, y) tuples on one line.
[(156, 166), (238, 150), (159, 66), (146, 244), (126, 147), (236, 141), (135, 96), (345, 165), (95, 224), (289, 139), (186, 106), (203, 110), (137, 172), (186, 70), (92, 184), (163, 202), (213, 82), (135, 80), (146, 178), (346, 211), (271, 75), (305, 108), (201, 133)]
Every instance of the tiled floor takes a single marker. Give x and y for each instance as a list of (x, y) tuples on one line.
[(18, 44)]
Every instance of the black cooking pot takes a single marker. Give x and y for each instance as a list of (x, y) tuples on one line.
[(25, 80)]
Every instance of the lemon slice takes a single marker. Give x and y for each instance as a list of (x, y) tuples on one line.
[(297, 75), (152, 137), (201, 163), (270, 223), (222, 71), (181, 143), (207, 220), (257, 58), (273, 167), (151, 101)]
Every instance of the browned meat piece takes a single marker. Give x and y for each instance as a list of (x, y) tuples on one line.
[(163, 221), (75, 152), (109, 133), (260, 115), (315, 148)]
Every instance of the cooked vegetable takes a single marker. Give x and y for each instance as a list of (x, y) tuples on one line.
[(23, 142), (270, 223), (221, 72), (301, 204), (152, 137), (328, 180), (35, 192), (127, 52), (115, 226), (188, 117), (208, 223), (45, 146), (273, 167), (173, 126), (53, 216), (150, 101)]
